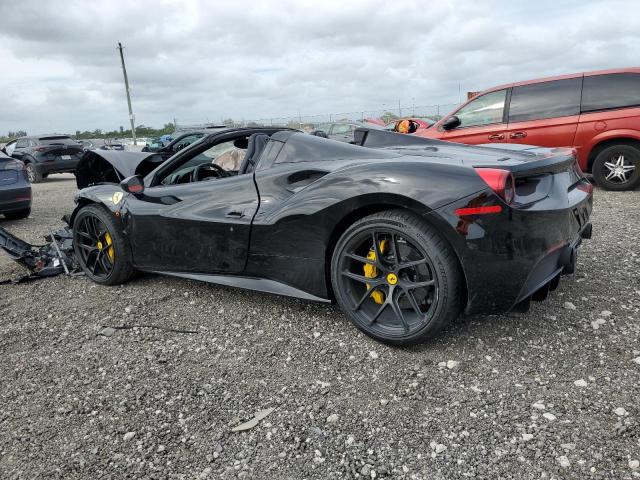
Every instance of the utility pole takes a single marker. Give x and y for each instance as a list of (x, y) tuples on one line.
[(126, 86)]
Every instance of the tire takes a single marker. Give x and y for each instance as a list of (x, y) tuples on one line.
[(121, 266), (32, 173), (431, 273), (19, 215), (617, 168)]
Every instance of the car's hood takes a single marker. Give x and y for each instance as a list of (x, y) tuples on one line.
[(112, 166)]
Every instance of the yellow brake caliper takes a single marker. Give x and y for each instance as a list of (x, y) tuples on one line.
[(370, 271), (111, 253)]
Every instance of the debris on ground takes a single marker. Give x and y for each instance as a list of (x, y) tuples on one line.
[(54, 258), (254, 421)]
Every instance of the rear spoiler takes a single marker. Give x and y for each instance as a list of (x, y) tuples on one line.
[(544, 159)]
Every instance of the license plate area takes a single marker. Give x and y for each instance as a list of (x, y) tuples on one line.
[(8, 177)]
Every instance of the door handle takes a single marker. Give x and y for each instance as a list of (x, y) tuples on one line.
[(496, 136), (235, 214), (518, 135)]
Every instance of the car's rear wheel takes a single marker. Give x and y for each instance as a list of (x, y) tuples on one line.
[(617, 168), (32, 173), (396, 278), (20, 214), (100, 246)]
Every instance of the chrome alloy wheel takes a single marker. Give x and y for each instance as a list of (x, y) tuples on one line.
[(618, 169)]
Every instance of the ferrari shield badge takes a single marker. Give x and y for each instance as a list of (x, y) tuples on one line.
[(116, 197)]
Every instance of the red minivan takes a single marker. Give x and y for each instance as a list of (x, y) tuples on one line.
[(597, 113)]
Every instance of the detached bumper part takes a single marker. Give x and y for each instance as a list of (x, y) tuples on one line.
[(48, 260)]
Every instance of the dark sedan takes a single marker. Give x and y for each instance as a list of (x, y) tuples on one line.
[(15, 189), (46, 154)]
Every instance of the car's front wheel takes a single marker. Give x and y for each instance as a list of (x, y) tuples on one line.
[(396, 278), (617, 168), (100, 246)]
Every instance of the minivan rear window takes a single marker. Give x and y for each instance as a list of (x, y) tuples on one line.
[(558, 98), (615, 90)]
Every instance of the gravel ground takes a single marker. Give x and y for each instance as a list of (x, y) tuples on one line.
[(548, 394)]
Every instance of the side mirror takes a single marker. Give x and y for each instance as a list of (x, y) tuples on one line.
[(451, 123), (132, 185)]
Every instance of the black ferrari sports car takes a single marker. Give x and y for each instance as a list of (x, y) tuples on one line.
[(404, 233)]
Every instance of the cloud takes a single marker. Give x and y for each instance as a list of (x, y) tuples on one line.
[(201, 61)]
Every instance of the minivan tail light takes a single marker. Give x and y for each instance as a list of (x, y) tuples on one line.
[(40, 149), (500, 181)]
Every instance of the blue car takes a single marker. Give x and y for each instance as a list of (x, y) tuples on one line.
[(15, 189)]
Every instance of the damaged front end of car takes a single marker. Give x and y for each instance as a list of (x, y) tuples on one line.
[(96, 174)]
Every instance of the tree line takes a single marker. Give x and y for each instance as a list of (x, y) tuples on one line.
[(141, 131)]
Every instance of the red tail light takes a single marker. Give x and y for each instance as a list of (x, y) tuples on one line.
[(40, 149), (500, 181)]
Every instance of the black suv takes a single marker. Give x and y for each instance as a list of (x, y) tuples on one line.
[(46, 154)]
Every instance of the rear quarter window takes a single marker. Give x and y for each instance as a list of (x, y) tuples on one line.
[(616, 90), (559, 98)]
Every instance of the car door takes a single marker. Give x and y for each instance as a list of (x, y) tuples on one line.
[(22, 146), (481, 120), (9, 148), (199, 227), (545, 113)]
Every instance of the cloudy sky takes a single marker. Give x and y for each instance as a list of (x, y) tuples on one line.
[(200, 61)]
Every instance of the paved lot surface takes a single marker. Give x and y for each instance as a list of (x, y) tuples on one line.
[(553, 393)]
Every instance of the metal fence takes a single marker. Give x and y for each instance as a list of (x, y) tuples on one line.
[(433, 112), (387, 114)]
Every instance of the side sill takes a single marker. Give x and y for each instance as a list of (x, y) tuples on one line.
[(249, 283)]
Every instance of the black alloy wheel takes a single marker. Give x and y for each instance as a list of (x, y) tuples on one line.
[(100, 247), (396, 278)]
